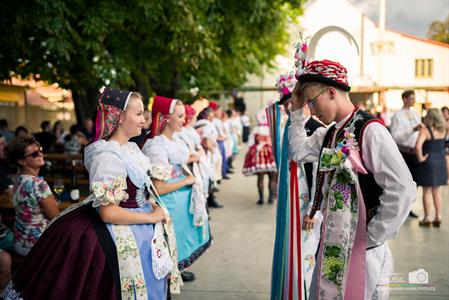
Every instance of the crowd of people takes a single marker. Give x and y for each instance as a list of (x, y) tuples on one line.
[(153, 177), (344, 185)]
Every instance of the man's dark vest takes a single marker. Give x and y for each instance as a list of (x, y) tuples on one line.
[(371, 191)]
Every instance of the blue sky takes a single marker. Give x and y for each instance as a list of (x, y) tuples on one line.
[(409, 16)]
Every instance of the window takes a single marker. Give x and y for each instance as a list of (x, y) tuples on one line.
[(424, 68)]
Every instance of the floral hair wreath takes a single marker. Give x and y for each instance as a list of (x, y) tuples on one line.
[(285, 83)]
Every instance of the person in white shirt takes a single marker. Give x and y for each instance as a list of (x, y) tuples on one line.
[(405, 125), (221, 138), (364, 189)]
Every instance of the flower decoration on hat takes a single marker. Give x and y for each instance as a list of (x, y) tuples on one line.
[(301, 56), (323, 71)]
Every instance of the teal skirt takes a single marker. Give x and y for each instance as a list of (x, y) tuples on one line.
[(191, 241)]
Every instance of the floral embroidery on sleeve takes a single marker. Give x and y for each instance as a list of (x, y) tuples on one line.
[(110, 192), (161, 172)]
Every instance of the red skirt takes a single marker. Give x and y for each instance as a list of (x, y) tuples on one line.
[(259, 159)]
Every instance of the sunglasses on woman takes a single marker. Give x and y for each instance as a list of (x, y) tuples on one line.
[(35, 153)]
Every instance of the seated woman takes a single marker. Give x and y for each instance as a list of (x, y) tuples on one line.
[(33, 200), (106, 247), (168, 157)]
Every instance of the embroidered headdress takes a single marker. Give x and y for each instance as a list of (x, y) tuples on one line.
[(111, 104), (326, 71), (160, 112)]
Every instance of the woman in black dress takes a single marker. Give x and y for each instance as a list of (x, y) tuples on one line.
[(431, 172)]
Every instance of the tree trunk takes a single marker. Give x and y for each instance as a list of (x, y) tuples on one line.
[(85, 101)]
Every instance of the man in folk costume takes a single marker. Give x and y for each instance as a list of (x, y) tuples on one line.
[(364, 188), (296, 245)]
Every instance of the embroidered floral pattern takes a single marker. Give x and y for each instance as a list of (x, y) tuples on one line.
[(131, 274), (126, 246), (333, 264), (341, 213), (110, 192), (161, 172), (112, 114), (332, 158)]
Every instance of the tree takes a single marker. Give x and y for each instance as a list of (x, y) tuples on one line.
[(152, 46), (439, 31)]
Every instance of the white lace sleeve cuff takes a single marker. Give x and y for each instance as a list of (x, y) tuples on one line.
[(109, 192), (161, 172)]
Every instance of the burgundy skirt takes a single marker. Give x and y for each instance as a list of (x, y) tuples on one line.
[(75, 258)]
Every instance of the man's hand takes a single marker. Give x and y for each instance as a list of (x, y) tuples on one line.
[(418, 127), (296, 102), (308, 223)]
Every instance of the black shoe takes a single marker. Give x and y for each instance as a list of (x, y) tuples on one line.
[(214, 204), (216, 190), (270, 201), (226, 177), (260, 202), (230, 172), (411, 214), (187, 276)]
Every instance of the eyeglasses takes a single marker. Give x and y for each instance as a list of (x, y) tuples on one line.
[(35, 153), (311, 102)]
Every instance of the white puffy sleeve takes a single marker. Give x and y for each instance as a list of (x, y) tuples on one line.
[(107, 177), (160, 164)]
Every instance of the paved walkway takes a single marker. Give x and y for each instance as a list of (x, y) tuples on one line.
[(238, 265)]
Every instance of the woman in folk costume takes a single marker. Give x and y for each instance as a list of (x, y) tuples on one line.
[(259, 159), (363, 187), (208, 134), (173, 180), (108, 246), (295, 245), (198, 166)]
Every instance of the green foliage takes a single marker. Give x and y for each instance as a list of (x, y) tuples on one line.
[(152, 45), (439, 31)]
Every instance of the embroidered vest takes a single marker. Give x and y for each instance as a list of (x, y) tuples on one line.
[(370, 189)]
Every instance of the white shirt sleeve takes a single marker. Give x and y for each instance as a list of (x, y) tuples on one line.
[(300, 147), (381, 157), (106, 166), (402, 129), (155, 151)]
